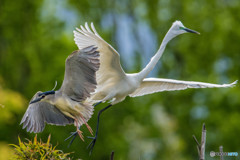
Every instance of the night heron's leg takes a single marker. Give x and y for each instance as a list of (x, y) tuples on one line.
[(91, 145), (74, 134), (88, 127)]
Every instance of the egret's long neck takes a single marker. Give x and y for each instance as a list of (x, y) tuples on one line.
[(149, 67)]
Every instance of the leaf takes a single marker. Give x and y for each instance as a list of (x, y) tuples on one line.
[(49, 137), (38, 150), (35, 140)]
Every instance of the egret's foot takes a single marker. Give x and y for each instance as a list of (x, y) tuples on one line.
[(92, 144), (73, 134)]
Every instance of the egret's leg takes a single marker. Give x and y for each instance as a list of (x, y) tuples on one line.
[(91, 145), (74, 134), (97, 104)]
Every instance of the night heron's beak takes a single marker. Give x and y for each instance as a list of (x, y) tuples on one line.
[(36, 100), (46, 93), (43, 94), (190, 31)]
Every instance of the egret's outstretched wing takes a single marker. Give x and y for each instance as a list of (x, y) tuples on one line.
[(152, 85), (110, 69), (38, 113), (80, 73)]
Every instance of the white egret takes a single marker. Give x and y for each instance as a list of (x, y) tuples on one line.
[(113, 84), (66, 106)]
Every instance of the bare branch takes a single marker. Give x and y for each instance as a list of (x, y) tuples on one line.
[(196, 140), (198, 145), (112, 155), (201, 147), (203, 142)]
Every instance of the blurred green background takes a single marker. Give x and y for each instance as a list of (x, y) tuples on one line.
[(36, 37)]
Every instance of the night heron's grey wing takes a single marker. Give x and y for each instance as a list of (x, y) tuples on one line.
[(40, 112), (80, 73)]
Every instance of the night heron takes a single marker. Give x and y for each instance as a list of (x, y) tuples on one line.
[(113, 84), (66, 106)]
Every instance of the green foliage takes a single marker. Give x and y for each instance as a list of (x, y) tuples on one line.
[(38, 150), (11, 104)]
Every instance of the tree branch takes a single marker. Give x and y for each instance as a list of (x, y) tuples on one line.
[(112, 155)]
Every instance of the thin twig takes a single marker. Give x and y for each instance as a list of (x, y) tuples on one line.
[(198, 145)]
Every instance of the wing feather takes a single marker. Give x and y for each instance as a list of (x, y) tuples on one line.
[(110, 67), (80, 73), (152, 85)]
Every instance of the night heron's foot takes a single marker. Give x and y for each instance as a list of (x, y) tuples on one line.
[(80, 134), (78, 129), (92, 144)]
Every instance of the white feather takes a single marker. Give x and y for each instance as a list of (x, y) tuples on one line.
[(152, 85)]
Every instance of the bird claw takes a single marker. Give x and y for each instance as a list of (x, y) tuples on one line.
[(91, 144), (72, 134), (80, 135)]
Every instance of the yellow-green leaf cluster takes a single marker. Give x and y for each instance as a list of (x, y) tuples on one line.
[(38, 150)]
